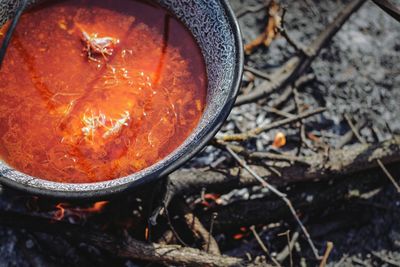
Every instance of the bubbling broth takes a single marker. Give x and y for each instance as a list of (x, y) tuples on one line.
[(96, 90)]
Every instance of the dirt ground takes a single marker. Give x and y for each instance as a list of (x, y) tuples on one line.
[(358, 74)]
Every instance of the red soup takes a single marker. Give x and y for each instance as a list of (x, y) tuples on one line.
[(93, 90)]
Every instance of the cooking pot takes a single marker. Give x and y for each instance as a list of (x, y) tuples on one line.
[(217, 33)]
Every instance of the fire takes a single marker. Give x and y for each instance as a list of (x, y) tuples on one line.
[(65, 209), (238, 236), (146, 233), (96, 208), (59, 214), (242, 234), (210, 200)]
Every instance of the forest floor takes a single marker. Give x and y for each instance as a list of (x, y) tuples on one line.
[(356, 77), (356, 74)]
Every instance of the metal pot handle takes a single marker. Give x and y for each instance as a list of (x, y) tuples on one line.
[(11, 9)]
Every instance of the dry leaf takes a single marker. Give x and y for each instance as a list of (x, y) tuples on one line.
[(280, 140), (313, 137), (271, 30)]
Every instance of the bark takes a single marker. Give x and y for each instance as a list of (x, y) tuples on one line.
[(307, 198), (120, 245), (338, 163), (298, 65)]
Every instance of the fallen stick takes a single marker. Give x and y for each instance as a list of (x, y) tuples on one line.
[(251, 9), (279, 194), (329, 247), (256, 72), (121, 246), (340, 163), (286, 252), (389, 8), (269, 126), (198, 230), (307, 198), (263, 246), (380, 163), (297, 66)]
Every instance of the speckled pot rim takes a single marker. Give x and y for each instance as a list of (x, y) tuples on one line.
[(181, 155)]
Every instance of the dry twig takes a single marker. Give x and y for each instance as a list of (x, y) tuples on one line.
[(319, 195), (282, 30), (354, 129), (199, 231), (278, 112), (296, 66), (389, 8), (251, 9), (269, 126), (262, 245), (302, 132), (346, 138), (329, 247), (389, 176), (385, 259), (121, 246), (280, 195), (341, 163), (287, 251), (256, 72), (380, 163), (287, 234)]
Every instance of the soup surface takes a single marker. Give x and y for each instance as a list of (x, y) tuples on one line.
[(93, 90)]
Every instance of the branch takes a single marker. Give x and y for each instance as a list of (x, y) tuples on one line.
[(120, 246), (307, 198), (279, 194), (389, 8), (381, 165), (269, 126), (10, 31), (296, 66), (342, 162), (251, 9), (210, 245)]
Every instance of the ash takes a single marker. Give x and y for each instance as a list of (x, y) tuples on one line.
[(357, 74)]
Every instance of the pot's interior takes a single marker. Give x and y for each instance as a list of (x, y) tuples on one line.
[(212, 25)]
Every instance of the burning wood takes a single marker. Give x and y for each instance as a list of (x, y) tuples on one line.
[(66, 210), (222, 208)]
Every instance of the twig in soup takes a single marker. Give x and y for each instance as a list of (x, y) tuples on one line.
[(111, 126), (91, 123), (117, 126), (98, 45)]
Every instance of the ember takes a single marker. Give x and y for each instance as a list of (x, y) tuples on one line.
[(65, 210), (328, 197)]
